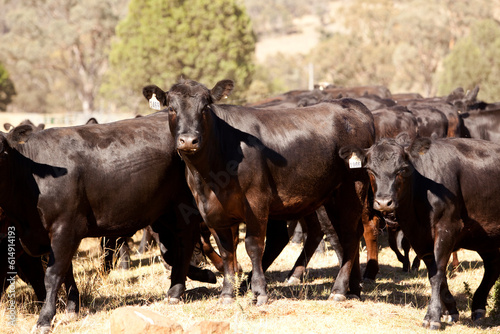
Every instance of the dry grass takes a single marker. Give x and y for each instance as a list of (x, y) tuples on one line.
[(395, 303)]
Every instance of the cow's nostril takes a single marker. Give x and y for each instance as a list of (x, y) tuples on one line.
[(195, 141), (181, 140), (389, 203)]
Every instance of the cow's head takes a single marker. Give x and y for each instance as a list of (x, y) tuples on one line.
[(188, 104), (389, 165)]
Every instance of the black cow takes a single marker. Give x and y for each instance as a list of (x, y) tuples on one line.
[(443, 194), (250, 165), (110, 179)]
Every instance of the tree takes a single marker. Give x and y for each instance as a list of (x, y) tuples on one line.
[(7, 89), (474, 61), (160, 41), (56, 50)]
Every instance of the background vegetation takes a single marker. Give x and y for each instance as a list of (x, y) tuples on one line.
[(95, 55)]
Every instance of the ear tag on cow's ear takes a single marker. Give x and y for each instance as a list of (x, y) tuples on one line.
[(154, 103), (354, 161)]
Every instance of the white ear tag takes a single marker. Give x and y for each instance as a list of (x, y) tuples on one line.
[(154, 103), (354, 161)]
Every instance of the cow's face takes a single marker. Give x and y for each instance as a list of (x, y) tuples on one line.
[(390, 169), (189, 106)]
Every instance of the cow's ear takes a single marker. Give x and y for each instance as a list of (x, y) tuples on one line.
[(355, 157), (403, 139), (158, 93), (221, 90), (20, 134), (7, 126), (419, 147)]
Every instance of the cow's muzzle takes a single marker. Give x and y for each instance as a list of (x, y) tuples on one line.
[(188, 143), (384, 204)]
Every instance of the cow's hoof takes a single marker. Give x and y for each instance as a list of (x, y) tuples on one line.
[(368, 280), (173, 300), (435, 325), (261, 300), (337, 297), (478, 314), (41, 330), (450, 318), (353, 296), (226, 300), (292, 281)]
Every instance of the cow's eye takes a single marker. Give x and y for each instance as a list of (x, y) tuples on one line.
[(171, 109)]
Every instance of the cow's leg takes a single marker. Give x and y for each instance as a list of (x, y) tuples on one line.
[(440, 294), (392, 235), (208, 250), (147, 239), (454, 261), (254, 244), (344, 212), (63, 247), (180, 236), (73, 302), (331, 235), (370, 234), (30, 269), (314, 237), (277, 238), (491, 261), (227, 249)]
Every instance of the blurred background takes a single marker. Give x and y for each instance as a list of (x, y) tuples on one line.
[(62, 61)]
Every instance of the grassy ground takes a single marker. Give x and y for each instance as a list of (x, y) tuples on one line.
[(395, 303)]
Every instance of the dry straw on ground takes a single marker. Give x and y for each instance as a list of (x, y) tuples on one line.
[(395, 303)]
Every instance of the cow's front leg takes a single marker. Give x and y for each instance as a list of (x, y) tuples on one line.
[(254, 244), (436, 267)]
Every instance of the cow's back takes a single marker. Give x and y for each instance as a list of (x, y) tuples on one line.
[(109, 174), (299, 148), (465, 177)]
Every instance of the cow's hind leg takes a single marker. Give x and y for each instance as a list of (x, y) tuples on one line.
[(277, 238), (73, 296), (392, 235), (227, 249), (62, 249), (344, 212), (491, 261), (313, 239), (254, 244)]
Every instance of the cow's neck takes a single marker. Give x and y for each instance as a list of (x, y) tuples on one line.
[(411, 215), (210, 161)]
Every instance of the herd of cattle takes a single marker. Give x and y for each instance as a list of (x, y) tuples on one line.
[(342, 160)]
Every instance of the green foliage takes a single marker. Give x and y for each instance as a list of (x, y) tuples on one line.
[(7, 89), (474, 61), (159, 41)]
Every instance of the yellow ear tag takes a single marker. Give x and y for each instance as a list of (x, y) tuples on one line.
[(154, 103), (354, 161)]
